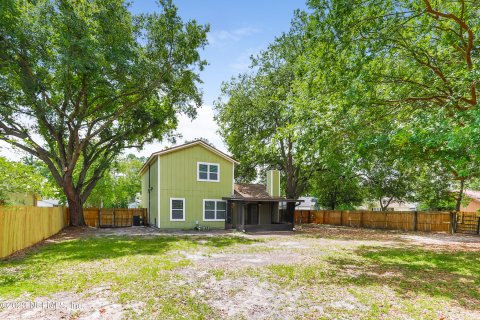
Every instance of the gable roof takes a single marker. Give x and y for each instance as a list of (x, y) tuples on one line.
[(184, 146), (255, 192)]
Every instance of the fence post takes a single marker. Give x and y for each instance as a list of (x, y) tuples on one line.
[(415, 221), (361, 219), (98, 216)]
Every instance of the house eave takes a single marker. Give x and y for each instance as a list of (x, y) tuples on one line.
[(184, 146)]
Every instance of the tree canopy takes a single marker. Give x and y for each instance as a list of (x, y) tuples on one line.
[(82, 81), (411, 64), (18, 177), (119, 186), (377, 97)]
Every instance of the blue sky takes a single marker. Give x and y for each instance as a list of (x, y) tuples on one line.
[(238, 29)]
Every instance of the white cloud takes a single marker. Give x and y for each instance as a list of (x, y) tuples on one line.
[(9, 152), (222, 36), (203, 126)]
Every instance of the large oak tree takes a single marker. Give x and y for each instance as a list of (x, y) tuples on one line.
[(82, 80), (410, 63), (259, 120)]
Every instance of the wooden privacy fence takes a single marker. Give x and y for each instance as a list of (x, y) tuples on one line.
[(467, 222), (21, 227), (96, 217), (390, 220)]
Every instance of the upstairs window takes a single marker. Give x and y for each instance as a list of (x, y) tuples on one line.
[(214, 210), (208, 171)]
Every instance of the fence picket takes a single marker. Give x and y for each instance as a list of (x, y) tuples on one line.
[(21, 227), (391, 220)]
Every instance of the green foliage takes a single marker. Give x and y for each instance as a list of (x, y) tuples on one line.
[(434, 190), (382, 89), (119, 186), (18, 177), (261, 121), (338, 187), (410, 64), (82, 81)]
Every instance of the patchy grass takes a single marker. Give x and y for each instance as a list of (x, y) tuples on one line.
[(134, 268), (321, 274)]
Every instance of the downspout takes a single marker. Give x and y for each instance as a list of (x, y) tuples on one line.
[(149, 191)]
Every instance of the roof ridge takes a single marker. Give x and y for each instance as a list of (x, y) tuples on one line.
[(186, 145)]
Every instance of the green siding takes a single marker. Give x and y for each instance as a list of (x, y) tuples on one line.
[(153, 213), (273, 183), (178, 179)]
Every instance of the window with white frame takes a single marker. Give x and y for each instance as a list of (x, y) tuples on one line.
[(208, 171), (177, 209), (214, 210)]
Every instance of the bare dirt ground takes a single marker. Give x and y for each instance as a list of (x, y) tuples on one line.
[(254, 281)]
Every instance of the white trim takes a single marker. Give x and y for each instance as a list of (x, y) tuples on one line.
[(233, 179), (271, 183), (158, 187), (208, 172), (183, 199), (215, 210), (279, 184)]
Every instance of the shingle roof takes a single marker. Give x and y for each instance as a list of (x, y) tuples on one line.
[(252, 190)]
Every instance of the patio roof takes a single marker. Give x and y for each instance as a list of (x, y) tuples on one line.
[(255, 192)]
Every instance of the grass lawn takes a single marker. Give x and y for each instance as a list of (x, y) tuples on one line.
[(319, 273)]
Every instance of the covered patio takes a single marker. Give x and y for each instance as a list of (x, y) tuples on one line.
[(252, 208)]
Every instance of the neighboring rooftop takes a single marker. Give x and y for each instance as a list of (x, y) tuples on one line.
[(473, 194), (48, 203), (309, 203)]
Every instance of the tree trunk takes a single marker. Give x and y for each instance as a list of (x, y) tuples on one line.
[(332, 202), (75, 207), (460, 196)]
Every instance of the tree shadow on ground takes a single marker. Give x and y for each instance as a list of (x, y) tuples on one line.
[(107, 247), (454, 275), (94, 249)]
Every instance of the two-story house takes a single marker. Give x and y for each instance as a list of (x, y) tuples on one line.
[(192, 185)]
